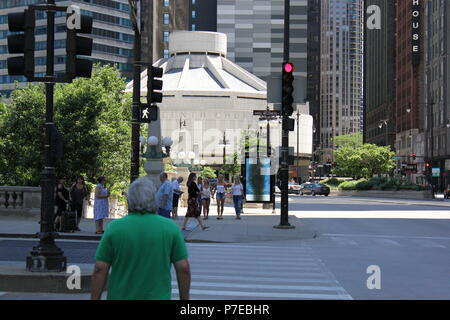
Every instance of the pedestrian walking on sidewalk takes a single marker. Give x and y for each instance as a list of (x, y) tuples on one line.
[(140, 250), (206, 198), (200, 188), (78, 193), (176, 196), (101, 205), (238, 192), (193, 210), (61, 201), (164, 197), (220, 196)]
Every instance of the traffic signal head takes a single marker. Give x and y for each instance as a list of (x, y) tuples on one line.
[(414, 156), (154, 84), (21, 43), (287, 89), (77, 45)]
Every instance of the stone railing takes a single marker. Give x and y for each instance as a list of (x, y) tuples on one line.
[(20, 200)]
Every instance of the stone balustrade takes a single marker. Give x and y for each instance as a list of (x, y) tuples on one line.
[(20, 200)]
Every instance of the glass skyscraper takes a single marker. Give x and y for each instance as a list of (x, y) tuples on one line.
[(341, 71)]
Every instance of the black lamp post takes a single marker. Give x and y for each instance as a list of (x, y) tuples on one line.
[(135, 125), (47, 256)]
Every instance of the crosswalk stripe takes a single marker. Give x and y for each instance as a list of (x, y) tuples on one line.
[(260, 286), (258, 262), (213, 271), (243, 247), (229, 271), (255, 258), (270, 295), (265, 279)]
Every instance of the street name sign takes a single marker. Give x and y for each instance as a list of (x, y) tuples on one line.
[(274, 113)]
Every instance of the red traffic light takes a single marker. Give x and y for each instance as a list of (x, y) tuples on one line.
[(427, 165), (289, 67)]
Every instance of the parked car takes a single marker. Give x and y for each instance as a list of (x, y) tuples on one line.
[(294, 188), (314, 189)]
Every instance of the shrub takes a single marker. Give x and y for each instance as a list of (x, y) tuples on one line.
[(364, 185), (348, 185), (332, 182)]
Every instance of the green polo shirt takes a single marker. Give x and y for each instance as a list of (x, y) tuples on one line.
[(140, 249)]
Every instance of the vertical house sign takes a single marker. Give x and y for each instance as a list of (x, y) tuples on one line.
[(416, 26)]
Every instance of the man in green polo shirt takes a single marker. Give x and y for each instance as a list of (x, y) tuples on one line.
[(140, 249)]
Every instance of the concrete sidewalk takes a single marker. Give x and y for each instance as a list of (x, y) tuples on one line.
[(255, 225)]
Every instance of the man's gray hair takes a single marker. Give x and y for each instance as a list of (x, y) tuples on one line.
[(141, 196)]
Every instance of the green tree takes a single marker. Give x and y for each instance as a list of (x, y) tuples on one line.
[(232, 167), (364, 161), (93, 115), (353, 140), (22, 137), (208, 173)]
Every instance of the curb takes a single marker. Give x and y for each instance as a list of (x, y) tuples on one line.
[(33, 236), (15, 278)]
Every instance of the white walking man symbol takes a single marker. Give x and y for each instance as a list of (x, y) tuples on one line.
[(145, 113)]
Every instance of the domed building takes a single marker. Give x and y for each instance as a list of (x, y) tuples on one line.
[(207, 99)]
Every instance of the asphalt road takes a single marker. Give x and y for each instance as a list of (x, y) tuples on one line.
[(412, 254)]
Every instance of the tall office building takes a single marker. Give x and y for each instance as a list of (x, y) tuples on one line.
[(437, 107), (112, 34), (313, 69), (410, 104), (166, 16), (203, 15), (341, 71), (379, 76), (255, 31)]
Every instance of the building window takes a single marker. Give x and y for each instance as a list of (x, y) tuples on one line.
[(193, 2), (166, 36), (166, 3), (166, 53), (193, 27), (166, 18), (193, 14)]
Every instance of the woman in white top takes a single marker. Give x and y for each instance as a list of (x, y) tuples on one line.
[(238, 192), (206, 198), (220, 196)]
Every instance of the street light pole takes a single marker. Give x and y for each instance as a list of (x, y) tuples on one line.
[(135, 125), (47, 256)]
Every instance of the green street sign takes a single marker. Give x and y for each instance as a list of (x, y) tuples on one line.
[(396, 158), (436, 172)]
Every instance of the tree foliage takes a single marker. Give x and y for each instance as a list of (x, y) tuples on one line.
[(233, 166), (364, 161), (353, 140), (93, 116), (208, 173)]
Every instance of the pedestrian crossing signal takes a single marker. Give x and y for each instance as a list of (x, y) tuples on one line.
[(148, 113)]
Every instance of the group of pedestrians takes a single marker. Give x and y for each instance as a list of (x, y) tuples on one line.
[(72, 199)]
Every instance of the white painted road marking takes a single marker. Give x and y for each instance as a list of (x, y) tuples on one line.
[(231, 271)]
